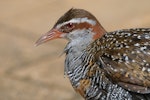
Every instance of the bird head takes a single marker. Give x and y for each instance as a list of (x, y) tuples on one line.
[(72, 25)]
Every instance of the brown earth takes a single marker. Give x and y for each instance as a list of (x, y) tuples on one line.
[(37, 73)]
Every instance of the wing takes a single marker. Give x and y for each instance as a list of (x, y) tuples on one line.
[(125, 56)]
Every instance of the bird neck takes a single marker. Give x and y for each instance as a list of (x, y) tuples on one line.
[(79, 39), (75, 48)]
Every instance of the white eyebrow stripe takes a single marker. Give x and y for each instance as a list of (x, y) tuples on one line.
[(77, 20)]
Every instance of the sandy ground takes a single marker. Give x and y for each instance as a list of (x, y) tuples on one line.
[(37, 73)]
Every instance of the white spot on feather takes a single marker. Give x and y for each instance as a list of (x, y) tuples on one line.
[(147, 36), (137, 44), (139, 37), (148, 69), (126, 58), (143, 48), (143, 69)]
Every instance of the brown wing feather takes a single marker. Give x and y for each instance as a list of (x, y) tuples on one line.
[(125, 56)]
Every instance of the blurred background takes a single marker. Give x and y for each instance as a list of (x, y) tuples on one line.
[(37, 73)]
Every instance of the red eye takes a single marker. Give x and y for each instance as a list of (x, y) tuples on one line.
[(69, 25)]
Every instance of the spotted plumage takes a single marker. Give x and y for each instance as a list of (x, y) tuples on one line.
[(103, 65), (125, 55)]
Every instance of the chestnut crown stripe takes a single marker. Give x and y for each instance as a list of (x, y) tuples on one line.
[(77, 21)]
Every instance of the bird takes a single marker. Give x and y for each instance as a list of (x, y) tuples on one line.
[(103, 65)]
